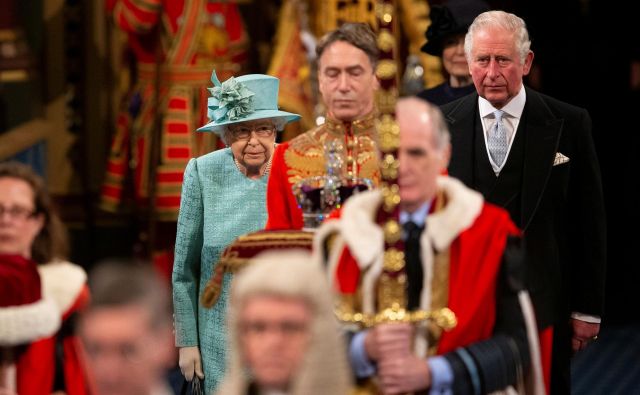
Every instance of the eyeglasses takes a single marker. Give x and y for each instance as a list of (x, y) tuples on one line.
[(17, 212), (244, 132)]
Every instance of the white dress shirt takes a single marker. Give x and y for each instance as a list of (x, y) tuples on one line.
[(510, 120)]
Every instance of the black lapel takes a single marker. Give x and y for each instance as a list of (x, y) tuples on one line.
[(543, 131), (461, 123)]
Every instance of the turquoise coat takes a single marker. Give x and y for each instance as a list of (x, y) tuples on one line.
[(218, 204)]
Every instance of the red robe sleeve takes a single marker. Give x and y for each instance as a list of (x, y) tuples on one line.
[(282, 209), (137, 16), (475, 260)]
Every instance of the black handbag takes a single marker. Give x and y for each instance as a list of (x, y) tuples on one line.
[(193, 387)]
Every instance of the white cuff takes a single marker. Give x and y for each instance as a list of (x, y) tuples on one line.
[(592, 319)]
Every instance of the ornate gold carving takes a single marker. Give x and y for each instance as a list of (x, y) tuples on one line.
[(386, 41), (346, 303), (393, 260), (386, 69), (390, 166), (390, 197), (443, 318), (389, 133), (391, 291), (392, 232), (386, 100), (385, 12)]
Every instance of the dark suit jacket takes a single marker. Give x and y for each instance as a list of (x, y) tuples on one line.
[(559, 208)]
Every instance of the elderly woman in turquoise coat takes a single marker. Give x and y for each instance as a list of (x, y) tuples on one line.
[(223, 197)]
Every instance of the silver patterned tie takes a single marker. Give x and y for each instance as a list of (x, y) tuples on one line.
[(497, 140)]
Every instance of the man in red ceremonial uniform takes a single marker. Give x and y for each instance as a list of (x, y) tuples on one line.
[(346, 75), (182, 40), (460, 252)]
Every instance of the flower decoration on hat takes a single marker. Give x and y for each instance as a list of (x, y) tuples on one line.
[(229, 100)]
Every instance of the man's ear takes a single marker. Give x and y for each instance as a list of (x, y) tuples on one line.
[(528, 61), (445, 156), (376, 84)]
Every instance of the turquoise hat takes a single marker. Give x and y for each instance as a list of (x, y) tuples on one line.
[(246, 98)]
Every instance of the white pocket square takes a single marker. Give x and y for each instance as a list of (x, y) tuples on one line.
[(560, 159)]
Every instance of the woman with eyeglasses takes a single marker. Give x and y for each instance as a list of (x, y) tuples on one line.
[(31, 231), (223, 197)]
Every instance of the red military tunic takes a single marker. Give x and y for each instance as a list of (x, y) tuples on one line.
[(195, 37), (303, 157)]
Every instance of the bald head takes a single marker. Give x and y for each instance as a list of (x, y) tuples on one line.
[(417, 114), (424, 151)]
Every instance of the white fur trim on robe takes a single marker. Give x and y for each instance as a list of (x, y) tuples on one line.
[(365, 238), (26, 323), (62, 281)]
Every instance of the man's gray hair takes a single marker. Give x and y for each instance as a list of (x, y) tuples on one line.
[(442, 136), (503, 20)]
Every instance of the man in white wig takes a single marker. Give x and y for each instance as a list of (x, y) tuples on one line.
[(283, 331)]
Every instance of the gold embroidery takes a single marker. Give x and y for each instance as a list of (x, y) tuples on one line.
[(305, 156), (271, 237), (360, 127)]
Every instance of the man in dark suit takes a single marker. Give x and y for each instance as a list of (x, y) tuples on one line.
[(534, 156)]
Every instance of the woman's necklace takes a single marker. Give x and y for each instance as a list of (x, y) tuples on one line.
[(243, 170)]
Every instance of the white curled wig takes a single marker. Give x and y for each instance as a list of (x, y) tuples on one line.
[(291, 273)]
